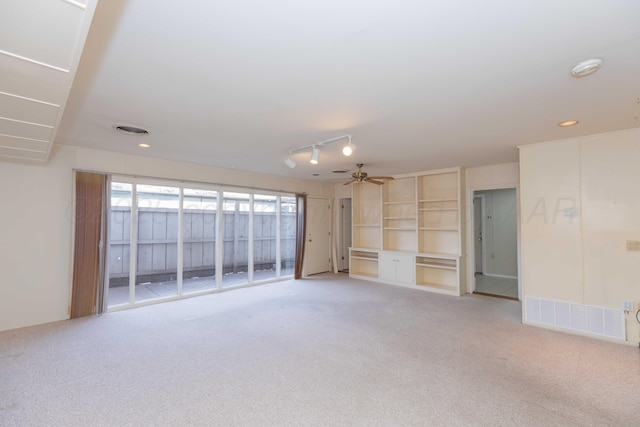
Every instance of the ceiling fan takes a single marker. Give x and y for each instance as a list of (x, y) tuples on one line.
[(360, 176)]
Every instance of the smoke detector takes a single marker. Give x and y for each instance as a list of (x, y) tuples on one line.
[(587, 67)]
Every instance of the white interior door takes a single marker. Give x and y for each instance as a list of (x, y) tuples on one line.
[(318, 242)]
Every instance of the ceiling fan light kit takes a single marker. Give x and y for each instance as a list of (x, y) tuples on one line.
[(347, 150)]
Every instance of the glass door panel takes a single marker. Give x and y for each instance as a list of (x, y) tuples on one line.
[(157, 254), (235, 243), (119, 243), (199, 240), (265, 221), (287, 235)]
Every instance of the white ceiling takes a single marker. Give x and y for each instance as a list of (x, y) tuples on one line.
[(420, 84), (40, 47)]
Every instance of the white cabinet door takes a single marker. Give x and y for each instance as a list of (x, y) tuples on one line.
[(397, 268), (405, 269), (387, 267)]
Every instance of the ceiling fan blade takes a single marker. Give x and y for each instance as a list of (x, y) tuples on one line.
[(381, 177), (350, 182), (373, 181)]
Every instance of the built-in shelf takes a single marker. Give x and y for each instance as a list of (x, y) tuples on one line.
[(444, 263), (436, 200), (438, 228), (363, 257), (444, 267), (400, 217), (408, 231), (363, 254), (365, 274), (438, 255), (367, 216), (438, 286), (363, 263)]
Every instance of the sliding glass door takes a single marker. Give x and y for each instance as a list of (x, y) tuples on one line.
[(180, 240)]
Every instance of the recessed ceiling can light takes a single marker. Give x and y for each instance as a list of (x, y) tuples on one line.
[(144, 146), (587, 67), (568, 123), (131, 130)]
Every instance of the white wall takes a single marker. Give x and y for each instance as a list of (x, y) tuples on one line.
[(580, 201), (37, 215), (500, 237)]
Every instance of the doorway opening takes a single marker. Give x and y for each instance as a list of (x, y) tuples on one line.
[(495, 243), (345, 235)]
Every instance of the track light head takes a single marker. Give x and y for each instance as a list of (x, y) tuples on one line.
[(315, 155), (347, 150), (290, 162)]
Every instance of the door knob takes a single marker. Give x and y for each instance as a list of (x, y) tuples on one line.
[(309, 239), (480, 239)]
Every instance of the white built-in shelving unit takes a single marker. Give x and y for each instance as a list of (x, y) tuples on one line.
[(409, 232)]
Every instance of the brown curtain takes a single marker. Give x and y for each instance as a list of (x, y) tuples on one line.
[(86, 297), (301, 231)]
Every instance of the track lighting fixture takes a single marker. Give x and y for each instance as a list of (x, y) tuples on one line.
[(315, 155), (290, 162), (347, 150)]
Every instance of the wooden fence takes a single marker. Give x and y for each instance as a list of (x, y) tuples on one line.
[(158, 242)]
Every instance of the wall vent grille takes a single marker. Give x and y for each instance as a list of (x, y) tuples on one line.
[(601, 321)]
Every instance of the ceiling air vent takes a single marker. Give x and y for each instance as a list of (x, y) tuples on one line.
[(131, 130)]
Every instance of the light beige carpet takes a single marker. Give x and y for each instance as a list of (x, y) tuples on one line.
[(324, 351)]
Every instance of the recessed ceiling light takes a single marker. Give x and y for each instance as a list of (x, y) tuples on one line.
[(568, 123), (587, 67), (131, 130), (144, 146)]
